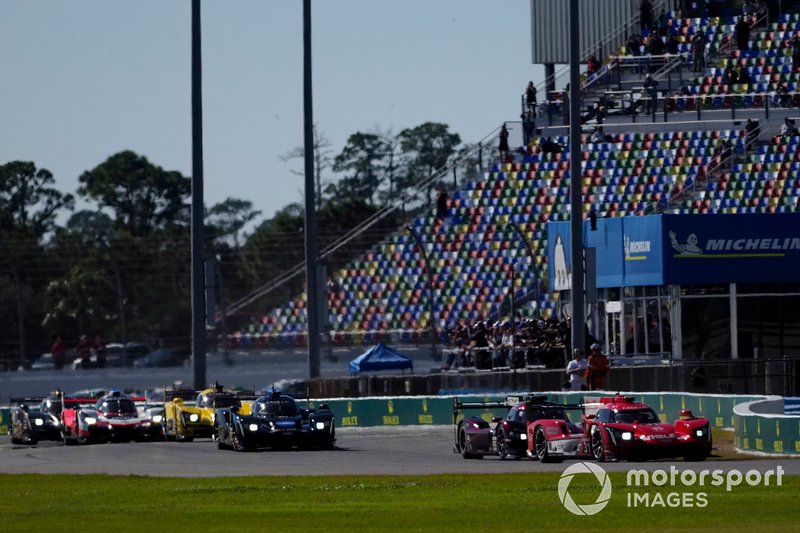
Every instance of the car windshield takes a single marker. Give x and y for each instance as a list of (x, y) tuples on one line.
[(52, 407), (122, 406), (282, 407), (540, 413), (642, 416), (226, 400)]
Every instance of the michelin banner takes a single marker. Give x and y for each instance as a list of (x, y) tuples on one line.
[(683, 250)]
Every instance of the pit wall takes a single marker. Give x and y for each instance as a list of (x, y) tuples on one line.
[(760, 427)]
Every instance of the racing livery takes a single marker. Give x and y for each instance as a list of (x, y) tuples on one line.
[(618, 428), (30, 425), (80, 422), (276, 421), (124, 420), (533, 427), (184, 419)]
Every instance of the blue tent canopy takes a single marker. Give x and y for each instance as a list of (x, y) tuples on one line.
[(380, 357)]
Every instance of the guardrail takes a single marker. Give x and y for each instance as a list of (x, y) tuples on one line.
[(761, 427)]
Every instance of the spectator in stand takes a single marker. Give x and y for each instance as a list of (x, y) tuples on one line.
[(528, 126), (794, 43), (576, 371), (672, 45), (530, 98), (634, 45), (100, 350), (731, 75), (699, 51), (655, 44), (596, 368), (479, 347), (59, 352), (597, 136), (592, 66), (788, 128), (743, 75), (782, 96), (442, 202), (752, 131), (503, 146), (742, 31), (651, 94), (645, 16)]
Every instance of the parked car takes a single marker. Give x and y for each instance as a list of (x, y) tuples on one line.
[(161, 357)]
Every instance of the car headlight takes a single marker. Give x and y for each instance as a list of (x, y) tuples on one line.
[(523, 436), (253, 427), (699, 433), (38, 422), (320, 425), (90, 420), (157, 419), (194, 417), (627, 435), (272, 426)]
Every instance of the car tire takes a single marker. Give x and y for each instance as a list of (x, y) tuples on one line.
[(540, 447), (237, 444), (15, 440), (597, 444), (463, 444), (502, 449)]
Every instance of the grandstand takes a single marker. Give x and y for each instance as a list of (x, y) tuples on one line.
[(489, 254)]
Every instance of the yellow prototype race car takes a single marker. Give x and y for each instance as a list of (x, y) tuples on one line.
[(190, 414)]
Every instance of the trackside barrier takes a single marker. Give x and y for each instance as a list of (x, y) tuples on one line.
[(438, 410), (761, 427), (4, 418)]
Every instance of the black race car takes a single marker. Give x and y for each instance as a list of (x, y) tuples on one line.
[(29, 425), (276, 422)]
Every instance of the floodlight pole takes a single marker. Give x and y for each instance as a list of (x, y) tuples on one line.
[(312, 304), (198, 230), (578, 335)]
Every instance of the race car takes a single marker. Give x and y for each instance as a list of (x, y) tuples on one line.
[(533, 427), (80, 422), (29, 425), (124, 419), (185, 420), (619, 427), (276, 422)]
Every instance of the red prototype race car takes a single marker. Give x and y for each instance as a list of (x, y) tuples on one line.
[(533, 427), (621, 428)]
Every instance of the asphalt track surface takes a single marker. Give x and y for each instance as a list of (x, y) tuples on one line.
[(359, 451)]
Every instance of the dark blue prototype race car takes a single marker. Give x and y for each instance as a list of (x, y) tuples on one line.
[(276, 422), (29, 425)]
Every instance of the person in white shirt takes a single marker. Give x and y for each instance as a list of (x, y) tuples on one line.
[(576, 370)]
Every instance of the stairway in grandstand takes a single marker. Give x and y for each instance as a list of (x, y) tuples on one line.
[(493, 241)]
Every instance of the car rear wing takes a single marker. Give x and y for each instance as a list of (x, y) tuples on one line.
[(183, 394), (20, 400), (229, 396)]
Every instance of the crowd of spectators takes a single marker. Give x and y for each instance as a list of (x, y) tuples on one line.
[(487, 345)]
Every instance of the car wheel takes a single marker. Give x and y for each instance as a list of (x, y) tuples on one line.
[(502, 449), (540, 446), (237, 443), (463, 443), (598, 446), (15, 440)]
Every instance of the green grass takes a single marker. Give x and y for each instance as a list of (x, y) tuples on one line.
[(521, 502)]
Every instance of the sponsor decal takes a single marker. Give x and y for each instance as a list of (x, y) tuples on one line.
[(636, 250), (733, 248)]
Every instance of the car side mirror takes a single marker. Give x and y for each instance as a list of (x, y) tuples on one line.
[(325, 406), (497, 419)]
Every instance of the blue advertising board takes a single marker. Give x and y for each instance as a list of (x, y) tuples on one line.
[(683, 249), (745, 248)]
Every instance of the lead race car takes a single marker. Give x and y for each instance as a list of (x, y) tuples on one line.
[(124, 418), (533, 427), (28, 424), (618, 428), (276, 422)]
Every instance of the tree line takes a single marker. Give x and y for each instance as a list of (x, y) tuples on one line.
[(121, 267)]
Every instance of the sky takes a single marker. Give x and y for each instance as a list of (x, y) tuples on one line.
[(81, 80)]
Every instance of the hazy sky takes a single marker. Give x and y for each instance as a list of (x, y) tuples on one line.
[(81, 80)]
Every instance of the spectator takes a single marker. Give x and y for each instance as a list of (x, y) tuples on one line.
[(699, 51), (503, 147), (788, 128), (528, 126), (651, 90), (731, 75), (59, 352), (84, 351), (576, 371), (795, 45), (479, 347), (672, 45), (645, 16), (596, 369), (743, 75), (752, 131), (530, 98), (597, 136), (592, 66), (549, 146), (442, 201), (634, 45), (100, 350), (742, 30), (655, 46), (505, 353)]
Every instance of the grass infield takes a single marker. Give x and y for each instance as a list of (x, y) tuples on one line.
[(507, 502)]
